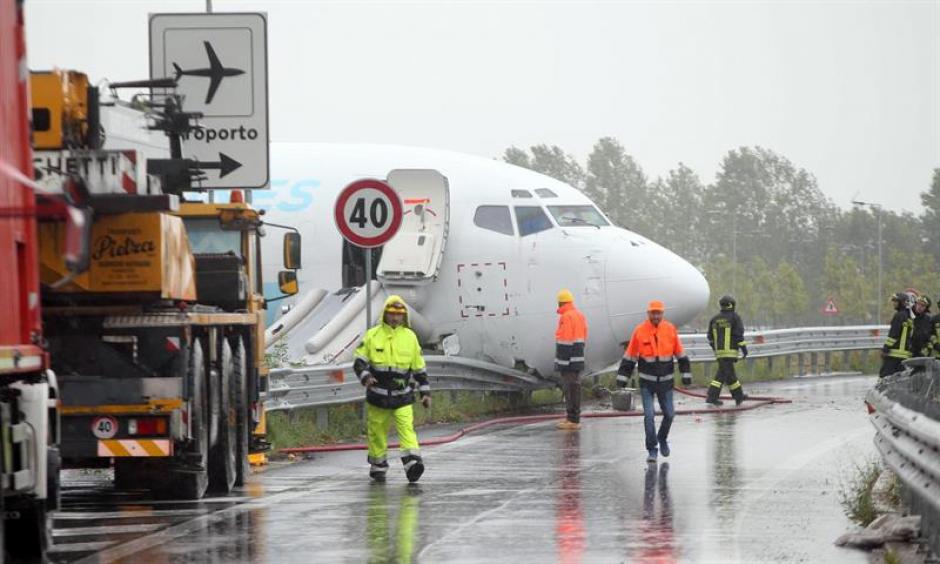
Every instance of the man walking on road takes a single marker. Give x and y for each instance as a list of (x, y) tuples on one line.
[(569, 357), (726, 338), (897, 346), (386, 362), (655, 346)]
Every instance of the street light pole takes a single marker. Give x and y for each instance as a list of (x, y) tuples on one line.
[(880, 266), (878, 209), (734, 255)]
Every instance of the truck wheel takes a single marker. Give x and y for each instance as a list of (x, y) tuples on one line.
[(130, 474), (53, 465), (187, 477), (32, 531), (214, 383), (242, 411), (222, 454)]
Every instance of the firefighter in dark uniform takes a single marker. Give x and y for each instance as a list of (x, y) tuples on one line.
[(923, 327), (897, 346), (934, 347), (726, 338)]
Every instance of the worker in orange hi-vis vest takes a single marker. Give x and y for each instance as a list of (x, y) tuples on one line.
[(569, 357), (655, 346)]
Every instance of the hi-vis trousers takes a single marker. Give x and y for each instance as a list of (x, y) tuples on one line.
[(379, 421)]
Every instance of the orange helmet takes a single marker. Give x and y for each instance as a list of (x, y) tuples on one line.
[(656, 305)]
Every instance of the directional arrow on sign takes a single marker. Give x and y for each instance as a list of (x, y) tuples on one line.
[(225, 165)]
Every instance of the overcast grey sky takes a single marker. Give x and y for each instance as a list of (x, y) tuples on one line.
[(848, 90)]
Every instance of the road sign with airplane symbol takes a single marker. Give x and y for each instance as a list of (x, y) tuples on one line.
[(219, 63)]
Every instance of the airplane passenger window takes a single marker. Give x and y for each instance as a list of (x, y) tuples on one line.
[(521, 194), (573, 216), (494, 218), (546, 193), (531, 219)]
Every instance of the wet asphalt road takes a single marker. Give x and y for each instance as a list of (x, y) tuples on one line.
[(757, 486)]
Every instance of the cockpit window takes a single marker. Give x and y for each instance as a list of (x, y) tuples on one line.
[(494, 218), (531, 219), (573, 216), (521, 194), (545, 193)]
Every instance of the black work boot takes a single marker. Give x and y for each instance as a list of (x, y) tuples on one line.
[(712, 398), (414, 467), (739, 396), (377, 471)]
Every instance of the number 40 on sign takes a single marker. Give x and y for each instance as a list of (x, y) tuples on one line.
[(368, 213)]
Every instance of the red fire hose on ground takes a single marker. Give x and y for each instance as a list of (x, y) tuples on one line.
[(754, 402)]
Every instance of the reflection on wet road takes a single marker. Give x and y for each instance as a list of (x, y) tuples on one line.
[(756, 486)]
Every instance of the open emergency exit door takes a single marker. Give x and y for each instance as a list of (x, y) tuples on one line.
[(413, 256)]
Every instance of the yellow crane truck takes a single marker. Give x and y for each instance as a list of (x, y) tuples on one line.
[(157, 335)]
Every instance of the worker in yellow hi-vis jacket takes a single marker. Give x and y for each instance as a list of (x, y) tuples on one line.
[(389, 364)]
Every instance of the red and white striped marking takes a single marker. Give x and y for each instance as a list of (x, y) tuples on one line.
[(135, 447)]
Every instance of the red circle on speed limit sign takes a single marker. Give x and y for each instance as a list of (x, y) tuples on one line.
[(368, 212), (104, 427)]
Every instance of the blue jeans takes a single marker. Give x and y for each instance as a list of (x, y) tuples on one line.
[(665, 405)]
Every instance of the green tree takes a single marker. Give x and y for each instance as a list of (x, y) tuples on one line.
[(678, 216), (789, 300), (515, 155), (755, 291), (549, 160), (776, 210), (793, 246), (617, 184), (906, 270), (845, 282), (553, 161), (930, 219)]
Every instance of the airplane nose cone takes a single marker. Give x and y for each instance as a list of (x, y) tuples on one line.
[(638, 271), (692, 291)]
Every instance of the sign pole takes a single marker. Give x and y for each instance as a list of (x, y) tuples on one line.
[(365, 419), (368, 214), (211, 192), (368, 288)]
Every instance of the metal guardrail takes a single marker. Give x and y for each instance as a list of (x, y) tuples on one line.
[(325, 385), (318, 386), (907, 421), (775, 342)]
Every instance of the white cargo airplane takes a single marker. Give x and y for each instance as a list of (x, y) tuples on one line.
[(482, 251)]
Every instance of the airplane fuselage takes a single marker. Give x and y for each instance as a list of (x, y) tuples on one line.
[(493, 296)]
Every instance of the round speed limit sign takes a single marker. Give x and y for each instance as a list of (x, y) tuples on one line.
[(104, 427), (368, 213)]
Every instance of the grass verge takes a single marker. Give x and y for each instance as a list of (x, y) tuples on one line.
[(343, 423), (856, 492)]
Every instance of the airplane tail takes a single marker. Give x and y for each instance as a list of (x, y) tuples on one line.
[(179, 71)]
